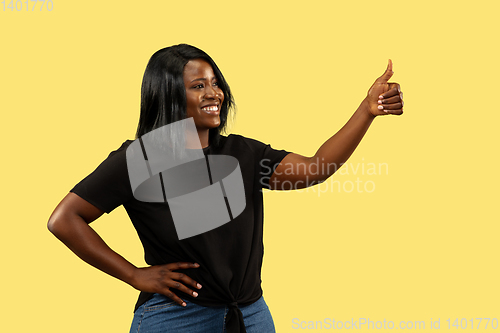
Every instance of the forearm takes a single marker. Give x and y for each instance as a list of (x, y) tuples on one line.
[(80, 238), (296, 171), (337, 149)]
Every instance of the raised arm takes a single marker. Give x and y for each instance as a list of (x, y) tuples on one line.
[(296, 171)]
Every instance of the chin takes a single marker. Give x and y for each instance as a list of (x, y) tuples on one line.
[(216, 124), (211, 126)]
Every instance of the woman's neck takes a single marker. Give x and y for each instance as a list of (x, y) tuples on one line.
[(203, 135)]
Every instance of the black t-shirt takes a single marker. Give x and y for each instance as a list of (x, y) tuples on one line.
[(230, 256)]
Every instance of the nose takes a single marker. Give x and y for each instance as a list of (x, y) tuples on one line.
[(212, 92)]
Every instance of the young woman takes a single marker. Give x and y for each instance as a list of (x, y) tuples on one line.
[(209, 282)]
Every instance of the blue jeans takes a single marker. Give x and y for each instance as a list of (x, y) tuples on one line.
[(162, 315)]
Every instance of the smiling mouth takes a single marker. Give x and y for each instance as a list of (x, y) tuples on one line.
[(212, 109)]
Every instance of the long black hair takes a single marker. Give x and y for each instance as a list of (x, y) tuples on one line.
[(163, 95)]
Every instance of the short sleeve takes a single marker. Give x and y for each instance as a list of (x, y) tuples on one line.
[(267, 159), (108, 186), (271, 158)]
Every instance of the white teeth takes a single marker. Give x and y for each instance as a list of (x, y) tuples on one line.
[(211, 108)]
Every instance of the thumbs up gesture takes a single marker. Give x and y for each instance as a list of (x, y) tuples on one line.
[(385, 97)]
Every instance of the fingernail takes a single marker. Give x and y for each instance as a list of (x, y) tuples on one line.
[(386, 111), (379, 101), (183, 304), (195, 294), (199, 286), (381, 97), (380, 107)]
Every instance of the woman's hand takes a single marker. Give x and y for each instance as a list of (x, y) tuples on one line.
[(385, 97), (162, 279)]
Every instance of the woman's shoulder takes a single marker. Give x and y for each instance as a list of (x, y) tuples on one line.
[(238, 142), (243, 140), (122, 148), (116, 152), (255, 146)]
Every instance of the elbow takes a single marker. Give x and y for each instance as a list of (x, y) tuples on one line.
[(53, 225), (68, 215), (57, 222), (60, 227)]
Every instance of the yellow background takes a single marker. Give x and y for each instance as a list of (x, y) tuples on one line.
[(423, 245)]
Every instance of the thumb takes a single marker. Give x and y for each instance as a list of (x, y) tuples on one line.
[(387, 74)]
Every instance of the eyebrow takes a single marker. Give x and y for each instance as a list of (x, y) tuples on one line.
[(202, 79)]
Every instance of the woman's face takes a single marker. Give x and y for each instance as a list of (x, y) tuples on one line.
[(204, 97)]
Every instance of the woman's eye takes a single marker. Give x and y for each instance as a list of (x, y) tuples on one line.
[(198, 86)]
